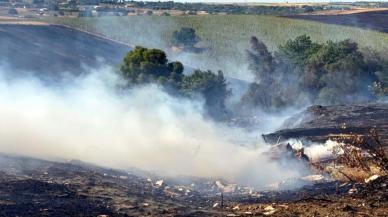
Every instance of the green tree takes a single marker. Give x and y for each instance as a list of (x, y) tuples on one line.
[(176, 69), (327, 73), (143, 65), (256, 96), (342, 70), (297, 51), (262, 93), (211, 86), (260, 61), (185, 37)]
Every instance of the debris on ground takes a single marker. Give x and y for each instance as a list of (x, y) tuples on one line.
[(31, 187)]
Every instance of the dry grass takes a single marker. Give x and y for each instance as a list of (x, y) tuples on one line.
[(357, 158)]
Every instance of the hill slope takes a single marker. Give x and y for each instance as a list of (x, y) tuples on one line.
[(50, 49)]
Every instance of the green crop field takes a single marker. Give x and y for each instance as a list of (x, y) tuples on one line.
[(226, 36)]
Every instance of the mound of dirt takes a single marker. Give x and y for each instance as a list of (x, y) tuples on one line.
[(319, 123)]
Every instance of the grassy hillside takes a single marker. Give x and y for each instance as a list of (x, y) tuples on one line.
[(226, 35)]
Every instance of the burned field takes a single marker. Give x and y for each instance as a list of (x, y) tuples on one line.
[(374, 20), (97, 124), (49, 49), (31, 187)]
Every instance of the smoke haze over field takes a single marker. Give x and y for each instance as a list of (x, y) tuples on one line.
[(89, 119)]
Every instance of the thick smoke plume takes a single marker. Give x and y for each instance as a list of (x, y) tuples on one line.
[(89, 119)]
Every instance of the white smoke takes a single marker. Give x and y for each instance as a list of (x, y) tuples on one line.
[(89, 119), (318, 152)]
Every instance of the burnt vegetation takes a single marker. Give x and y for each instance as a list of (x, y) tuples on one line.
[(31, 187), (30, 48), (363, 154)]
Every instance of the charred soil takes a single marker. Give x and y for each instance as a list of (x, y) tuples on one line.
[(31, 187)]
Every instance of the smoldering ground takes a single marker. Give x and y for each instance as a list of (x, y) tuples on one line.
[(88, 119)]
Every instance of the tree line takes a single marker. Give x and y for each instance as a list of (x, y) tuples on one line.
[(228, 8), (298, 72), (321, 73)]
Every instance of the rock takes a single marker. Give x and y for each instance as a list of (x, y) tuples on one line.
[(123, 177), (313, 178), (227, 188), (269, 210), (283, 206), (159, 183), (256, 195), (352, 190), (374, 177)]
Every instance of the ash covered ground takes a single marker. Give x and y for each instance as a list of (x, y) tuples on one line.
[(32, 187)]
